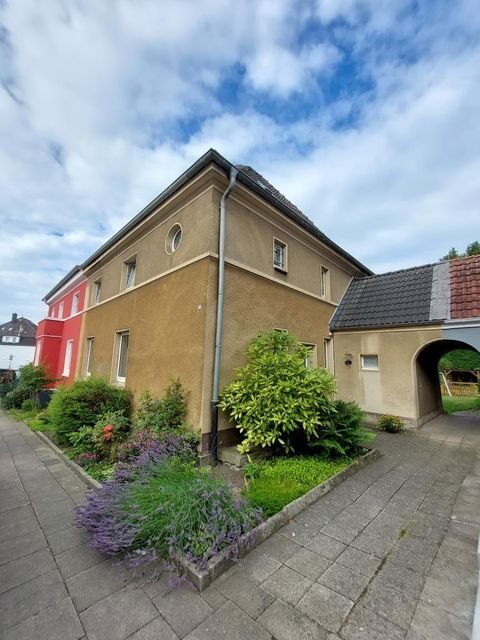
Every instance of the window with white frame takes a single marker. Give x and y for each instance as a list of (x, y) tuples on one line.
[(369, 362), (174, 237), (97, 291), (324, 282), (60, 310), (311, 358), (76, 303), (37, 352), (122, 356), (328, 354), (130, 268), (89, 356), (279, 255), (67, 363)]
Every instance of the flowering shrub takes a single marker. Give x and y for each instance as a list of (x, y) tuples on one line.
[(87, 458), (159, 504)]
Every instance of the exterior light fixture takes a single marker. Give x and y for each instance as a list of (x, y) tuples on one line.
[(348, 359)]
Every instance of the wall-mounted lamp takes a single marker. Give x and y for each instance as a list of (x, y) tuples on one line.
[(348, 359)]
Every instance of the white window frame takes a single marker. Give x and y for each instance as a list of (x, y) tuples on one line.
[(311, 362), (284, 247), (97, 291), (324, 282), (365, 366), (328, 354), (67, 362), (38, 350), (127, 266), (75, 303), (118, 353), (88, 356), (173, 232), (60, 310)]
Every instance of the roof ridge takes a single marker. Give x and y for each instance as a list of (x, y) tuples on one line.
[(389, 273)]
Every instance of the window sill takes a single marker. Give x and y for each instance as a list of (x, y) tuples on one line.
[(281, 269)]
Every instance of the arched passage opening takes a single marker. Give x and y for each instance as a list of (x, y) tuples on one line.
[(426, 377)]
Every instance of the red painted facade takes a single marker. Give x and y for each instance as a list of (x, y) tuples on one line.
[(58, 335)]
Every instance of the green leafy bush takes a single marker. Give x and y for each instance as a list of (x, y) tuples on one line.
[(275, 395), (164, 414), (347, 435), (82, 403), (279, 481), (32, 379), (389, 423)]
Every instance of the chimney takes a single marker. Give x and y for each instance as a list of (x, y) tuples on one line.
[(14, 317)]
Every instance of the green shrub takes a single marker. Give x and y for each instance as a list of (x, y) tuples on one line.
[(167, 413), (347, 435), (281, 480), (32, 379), (27, 405), (275, 396), (14, 398), (389, 423), (82, 404)]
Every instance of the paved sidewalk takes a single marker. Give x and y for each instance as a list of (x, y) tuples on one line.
[(387, 555)]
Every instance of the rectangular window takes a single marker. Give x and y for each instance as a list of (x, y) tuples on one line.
[(89, 356), (122, 356), (68, 358), (60, 310), (369, 362), (37, 352), (324, 282), (311, 359), (279, 255), (97, 291), (76, 303), (130, 268), (327, 354)]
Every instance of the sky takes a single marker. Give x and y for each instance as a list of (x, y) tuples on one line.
[(364, 113)]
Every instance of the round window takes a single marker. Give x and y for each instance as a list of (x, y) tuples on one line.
[(174, 238)]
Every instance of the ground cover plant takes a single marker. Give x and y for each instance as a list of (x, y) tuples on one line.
[(460, 403), (390, 424), (272, 484)]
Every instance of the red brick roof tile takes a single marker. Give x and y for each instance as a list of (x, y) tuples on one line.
[(465, 288)]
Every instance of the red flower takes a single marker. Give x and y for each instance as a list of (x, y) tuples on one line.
[(108, 432)]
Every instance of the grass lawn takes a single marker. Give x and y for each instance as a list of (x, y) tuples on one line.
[(460, 403), (275, 483)]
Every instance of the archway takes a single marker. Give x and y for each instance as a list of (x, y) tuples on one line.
[(426, 379)]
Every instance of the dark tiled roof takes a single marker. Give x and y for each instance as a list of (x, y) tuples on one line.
[(19, 327), (465, 288), (396, 298)]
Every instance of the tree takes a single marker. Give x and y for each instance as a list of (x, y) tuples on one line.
[(473, 249)]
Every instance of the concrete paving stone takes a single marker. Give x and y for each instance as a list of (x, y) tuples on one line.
[(402, 507), (345, 581), (118, 616), (386, 526), (157, 629), (285, 623), (298, 532), (339, 532), (58, 523), (390, 603), (244, 593), (308, 563), (47, 511), (414, 553), (183, 609), (402, 578), (22, 546), (288, 585), (11, 499), (278, 547), (431, 623), (66, 539), (325, 606), (11, 530), (229, 622), (360, 561), (95, 583), (375, 545), (213, 597), (15, 573), (326, 546), (363, 624), (258, 566), (47, 496), (459, 598), (30, 598), (58, 622), (76, 560)]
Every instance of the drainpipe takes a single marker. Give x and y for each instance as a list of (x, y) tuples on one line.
[(219, 329)]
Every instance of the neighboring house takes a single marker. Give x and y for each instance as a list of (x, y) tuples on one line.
[(153, 287), (390, 331), (58, 334), (17, 342)]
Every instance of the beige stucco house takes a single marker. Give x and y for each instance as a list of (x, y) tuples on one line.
[(154, 309), (390, 331)]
